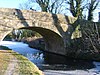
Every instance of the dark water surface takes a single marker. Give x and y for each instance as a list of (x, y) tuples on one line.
[(53, 62)]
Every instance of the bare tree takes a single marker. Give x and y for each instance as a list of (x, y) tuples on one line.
[(44, 4), (52, 6), (75, 7), (92, 5), (56, 6)]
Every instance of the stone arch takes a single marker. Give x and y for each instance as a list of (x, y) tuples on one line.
[(5, 34), (53, 41)]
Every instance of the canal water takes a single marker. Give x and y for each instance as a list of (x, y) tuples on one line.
[(52, 64)]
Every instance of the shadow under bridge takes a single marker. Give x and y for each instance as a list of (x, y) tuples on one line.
[(53, 42)]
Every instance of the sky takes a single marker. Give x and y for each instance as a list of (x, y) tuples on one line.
[(11, 3), (15, 4)]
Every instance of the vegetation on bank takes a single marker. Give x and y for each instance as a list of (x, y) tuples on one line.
[(4, 48), (4, 61), (24, 67)]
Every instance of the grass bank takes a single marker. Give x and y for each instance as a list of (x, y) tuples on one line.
[(24, 66), (4, 61)]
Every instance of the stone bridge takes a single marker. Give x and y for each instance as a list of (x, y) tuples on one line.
[(55, 29)]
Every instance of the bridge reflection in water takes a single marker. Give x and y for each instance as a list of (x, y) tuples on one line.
[(53, 62)]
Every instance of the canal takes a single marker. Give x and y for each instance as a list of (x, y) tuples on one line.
[(52, 64)]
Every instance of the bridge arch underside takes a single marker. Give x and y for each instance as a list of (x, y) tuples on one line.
[(53, 42)]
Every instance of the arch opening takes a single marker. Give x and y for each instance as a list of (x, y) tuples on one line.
[(53, 42)]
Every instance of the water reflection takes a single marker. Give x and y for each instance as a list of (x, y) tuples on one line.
[(56, 62), (36, 56), (49, 61)]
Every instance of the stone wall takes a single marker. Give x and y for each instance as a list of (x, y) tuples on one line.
[(56, 29), (52, 27), (15, 19)]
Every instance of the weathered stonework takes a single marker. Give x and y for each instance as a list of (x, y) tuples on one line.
[(56, 29), (51, 27)]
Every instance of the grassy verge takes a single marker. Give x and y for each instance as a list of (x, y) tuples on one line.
[(4, 48), (24, 67), (4, 61)]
